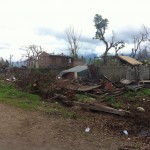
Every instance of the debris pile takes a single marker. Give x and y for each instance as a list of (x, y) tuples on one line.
[(64, 91)]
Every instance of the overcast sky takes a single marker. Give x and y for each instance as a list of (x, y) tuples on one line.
[(43, 22)]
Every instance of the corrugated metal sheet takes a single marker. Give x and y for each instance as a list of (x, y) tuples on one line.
[(130, 60), (74, 69)]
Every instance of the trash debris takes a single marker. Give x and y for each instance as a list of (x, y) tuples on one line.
[(87, 129), (108, 86), (141, 109), (11, 79), (125, 81), (125, 132)]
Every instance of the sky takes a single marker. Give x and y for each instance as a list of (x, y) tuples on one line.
[(43, 23)]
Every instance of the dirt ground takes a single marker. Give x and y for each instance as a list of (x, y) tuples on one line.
[(26, 130)]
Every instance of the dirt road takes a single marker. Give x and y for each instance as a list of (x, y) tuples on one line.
[(25, 130)]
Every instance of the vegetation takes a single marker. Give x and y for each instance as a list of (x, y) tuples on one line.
[(130, 96), (140, 93), (10, 95), (32, 53), (101, 25), (4, 63), (111, 100), (84, 98)]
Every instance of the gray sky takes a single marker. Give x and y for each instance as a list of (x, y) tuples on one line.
[(43, 22)]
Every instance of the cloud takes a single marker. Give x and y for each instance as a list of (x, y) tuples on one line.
[(43, 31), (87, 43), (4, 46), (126, 34)]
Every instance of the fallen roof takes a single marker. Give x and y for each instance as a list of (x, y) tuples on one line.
[(74, 69), (130, 60)]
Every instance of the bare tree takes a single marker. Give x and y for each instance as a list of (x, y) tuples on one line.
[(32, 52), (73, 39), (144, 53), (139, 39)]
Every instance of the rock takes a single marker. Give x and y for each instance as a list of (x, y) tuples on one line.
[(141, 109)]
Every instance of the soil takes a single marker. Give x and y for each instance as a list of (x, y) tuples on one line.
[(27, 130)]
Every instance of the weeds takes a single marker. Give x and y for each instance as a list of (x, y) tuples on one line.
[(140, 93), (111, 100), (84, 98)]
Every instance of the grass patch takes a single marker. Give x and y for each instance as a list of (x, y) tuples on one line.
[(84, 98), (58, 109), (12, 96), (140, 93)]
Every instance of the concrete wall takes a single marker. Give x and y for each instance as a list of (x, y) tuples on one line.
[(114, 73), (144, 72), (132, 73), (140, 73)]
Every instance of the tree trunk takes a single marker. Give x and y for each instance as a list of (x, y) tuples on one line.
[(105, 58)]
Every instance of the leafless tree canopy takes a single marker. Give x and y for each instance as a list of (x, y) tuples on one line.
[(141, 38), (32, 52), (73, 39)]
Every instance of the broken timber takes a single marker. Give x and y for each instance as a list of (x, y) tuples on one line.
[(103, 108), (94, 106)]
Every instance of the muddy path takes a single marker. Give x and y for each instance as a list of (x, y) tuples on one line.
[(26, 130)]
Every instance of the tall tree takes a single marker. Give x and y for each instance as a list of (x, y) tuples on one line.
[(101, 25), (73, 39)]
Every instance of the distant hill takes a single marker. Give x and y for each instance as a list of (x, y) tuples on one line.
[(87, 57)]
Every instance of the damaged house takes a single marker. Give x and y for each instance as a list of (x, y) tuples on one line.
[(136, 70), (125, 67), (52, 61)]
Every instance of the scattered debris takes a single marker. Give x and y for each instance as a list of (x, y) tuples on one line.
[(134, 87), (141, 109), (64, 91), (87, 129), (91, 106), (125, 81), (11, 79), (125, 132)]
